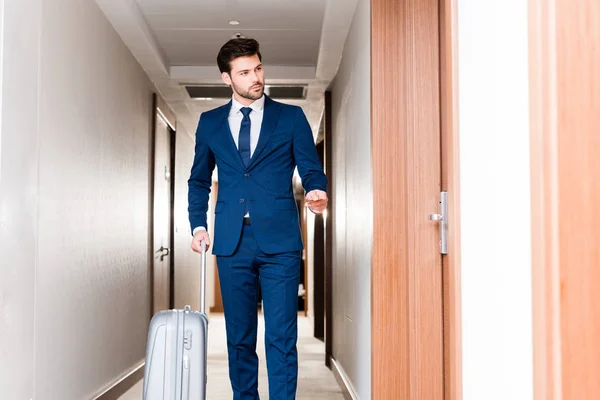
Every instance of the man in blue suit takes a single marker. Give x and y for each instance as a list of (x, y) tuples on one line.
[(256, 143)]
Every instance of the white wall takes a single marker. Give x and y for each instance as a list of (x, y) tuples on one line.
[(495, 199), (353, 206), (74, 202), (187, 263), (18, 195), (1, 64)]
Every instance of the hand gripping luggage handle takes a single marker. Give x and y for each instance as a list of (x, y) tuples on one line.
[(203, 279)]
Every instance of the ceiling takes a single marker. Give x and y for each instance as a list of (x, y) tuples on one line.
[(177, 41), (190, 32)]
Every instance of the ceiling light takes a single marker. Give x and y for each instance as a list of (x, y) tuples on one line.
[(234, 22)]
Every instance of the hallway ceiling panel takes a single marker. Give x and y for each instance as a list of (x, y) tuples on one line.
[(191, 32), (178, 36), (273, 53), (177, 41), (255, 17), (200, 47), (220, 7)]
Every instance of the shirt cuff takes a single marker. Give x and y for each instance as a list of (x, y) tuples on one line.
[(200, 228)]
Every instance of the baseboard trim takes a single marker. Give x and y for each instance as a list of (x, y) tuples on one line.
[(343, 381), (122, 385)]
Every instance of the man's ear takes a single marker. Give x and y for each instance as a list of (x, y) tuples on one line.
[(226, 78)]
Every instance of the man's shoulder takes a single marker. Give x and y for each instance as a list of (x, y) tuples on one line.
[(210, 117), (215, 112)]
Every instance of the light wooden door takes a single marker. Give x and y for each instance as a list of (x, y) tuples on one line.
[(565, 146), (161, 271), (407, 312)]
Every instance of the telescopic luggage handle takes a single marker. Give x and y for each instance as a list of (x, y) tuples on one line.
[(203, 279)]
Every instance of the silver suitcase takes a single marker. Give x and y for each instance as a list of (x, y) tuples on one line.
[(175, 366)]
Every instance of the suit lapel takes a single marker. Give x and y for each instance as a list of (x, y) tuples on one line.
[(224, 139), (270, 119)]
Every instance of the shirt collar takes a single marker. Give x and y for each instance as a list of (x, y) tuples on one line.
[(258, 105)]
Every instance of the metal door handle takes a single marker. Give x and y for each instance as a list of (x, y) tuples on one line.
[(435, 217), (162, 254), (442, 219)]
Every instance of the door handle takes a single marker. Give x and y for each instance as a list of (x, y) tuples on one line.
[(442, 219), (164, 251)]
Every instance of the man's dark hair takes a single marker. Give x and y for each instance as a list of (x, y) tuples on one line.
[(236, 48)]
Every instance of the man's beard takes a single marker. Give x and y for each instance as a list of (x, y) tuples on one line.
[(248, 94)]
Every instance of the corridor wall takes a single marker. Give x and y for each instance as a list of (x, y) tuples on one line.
[(493, 106), (74, 202), (353, 206)]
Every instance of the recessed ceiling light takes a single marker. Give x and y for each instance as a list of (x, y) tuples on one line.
[(234, 22)]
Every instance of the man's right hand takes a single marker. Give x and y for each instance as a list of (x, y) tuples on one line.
[(197, 241)]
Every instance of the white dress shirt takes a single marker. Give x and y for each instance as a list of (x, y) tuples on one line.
[(256, 117), (235, 122)]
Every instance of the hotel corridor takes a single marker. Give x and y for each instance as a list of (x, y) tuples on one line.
[(458, 258)]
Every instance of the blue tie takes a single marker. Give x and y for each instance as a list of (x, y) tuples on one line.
[(244, 138)]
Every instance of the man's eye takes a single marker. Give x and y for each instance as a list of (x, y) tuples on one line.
[(244, 73)]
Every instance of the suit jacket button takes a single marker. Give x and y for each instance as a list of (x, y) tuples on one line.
[(242, 201), (247, 175)]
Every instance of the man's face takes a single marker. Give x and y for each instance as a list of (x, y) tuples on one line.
[(246, 78)]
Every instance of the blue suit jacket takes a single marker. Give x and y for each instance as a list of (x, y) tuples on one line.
[(265, 186)]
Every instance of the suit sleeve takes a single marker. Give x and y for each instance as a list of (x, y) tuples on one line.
[(305, 155), (200, 180)]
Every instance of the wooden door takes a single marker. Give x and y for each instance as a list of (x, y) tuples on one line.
[(565, 146), (161, 271), (407, 322)]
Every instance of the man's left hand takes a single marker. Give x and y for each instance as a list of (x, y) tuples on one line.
[(316, 201)]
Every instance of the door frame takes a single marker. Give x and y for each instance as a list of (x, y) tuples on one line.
[(329, 226), (159, 106), (545, 263), (451, 183), (319, 263), (390, 380), (172, 147)]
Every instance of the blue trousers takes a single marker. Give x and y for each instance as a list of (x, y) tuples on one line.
[(279, 276)]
